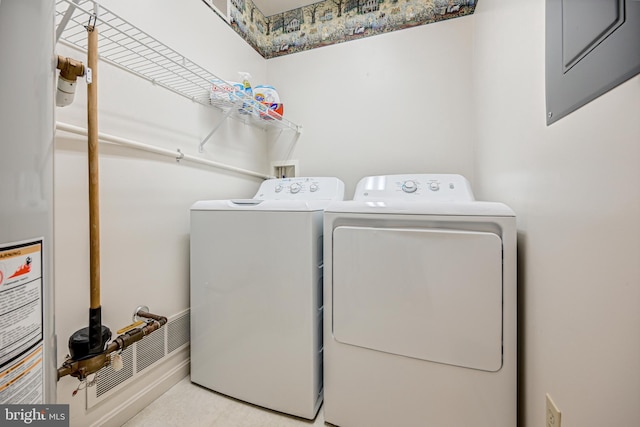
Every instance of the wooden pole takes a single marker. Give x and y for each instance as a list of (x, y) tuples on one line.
[(94, 188), (97, 333)]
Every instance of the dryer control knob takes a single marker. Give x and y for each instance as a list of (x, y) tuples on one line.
[(278, 188), (434, 186), (295, 188), (409, 186), (313, 187)]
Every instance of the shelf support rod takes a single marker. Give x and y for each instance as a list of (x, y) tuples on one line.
[(296, 134), (215, 128), (292, 144), (65, 19)]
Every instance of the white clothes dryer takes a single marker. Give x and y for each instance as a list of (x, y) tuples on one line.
[(420, 306), (256, 294)]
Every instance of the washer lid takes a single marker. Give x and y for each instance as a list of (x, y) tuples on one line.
[(301, 188), (260, 205), (284, 194)]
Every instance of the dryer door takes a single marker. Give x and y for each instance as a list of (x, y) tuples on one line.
[(431, 294)]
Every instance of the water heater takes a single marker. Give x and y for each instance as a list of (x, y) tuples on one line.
[(27, 85)]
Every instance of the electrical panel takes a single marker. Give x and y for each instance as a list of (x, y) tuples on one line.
[(591, 47)]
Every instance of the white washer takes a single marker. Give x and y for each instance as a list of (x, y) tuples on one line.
[(420, 306), (256, 294)]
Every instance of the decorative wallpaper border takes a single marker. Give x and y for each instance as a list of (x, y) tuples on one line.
[(335, 21)]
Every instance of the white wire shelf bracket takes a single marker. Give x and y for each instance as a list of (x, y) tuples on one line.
[(125, 46)]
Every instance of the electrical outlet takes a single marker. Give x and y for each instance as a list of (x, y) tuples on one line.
[(553, 418)]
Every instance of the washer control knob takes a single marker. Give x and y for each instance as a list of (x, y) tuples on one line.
[(409, 186), (434, 186), (313, 187), (295, 188), (278, 188)]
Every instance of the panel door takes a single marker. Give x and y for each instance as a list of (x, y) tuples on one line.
[(430, 294), (591, 47)]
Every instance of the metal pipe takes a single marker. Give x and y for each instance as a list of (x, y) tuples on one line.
[(82, 368), (125, 340), (160, 319), (70, 69)]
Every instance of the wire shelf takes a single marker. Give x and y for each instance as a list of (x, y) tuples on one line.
[(125, 46)]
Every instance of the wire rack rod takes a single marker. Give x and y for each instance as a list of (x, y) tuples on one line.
[(127, 47), (178, 155)]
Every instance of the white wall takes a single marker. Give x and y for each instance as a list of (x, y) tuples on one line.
[(145, 198), (575, 187), (393, 103)]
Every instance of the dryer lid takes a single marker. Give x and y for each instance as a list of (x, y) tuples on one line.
[(403, 207)]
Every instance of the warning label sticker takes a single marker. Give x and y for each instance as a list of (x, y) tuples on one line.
[(21, 305)]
